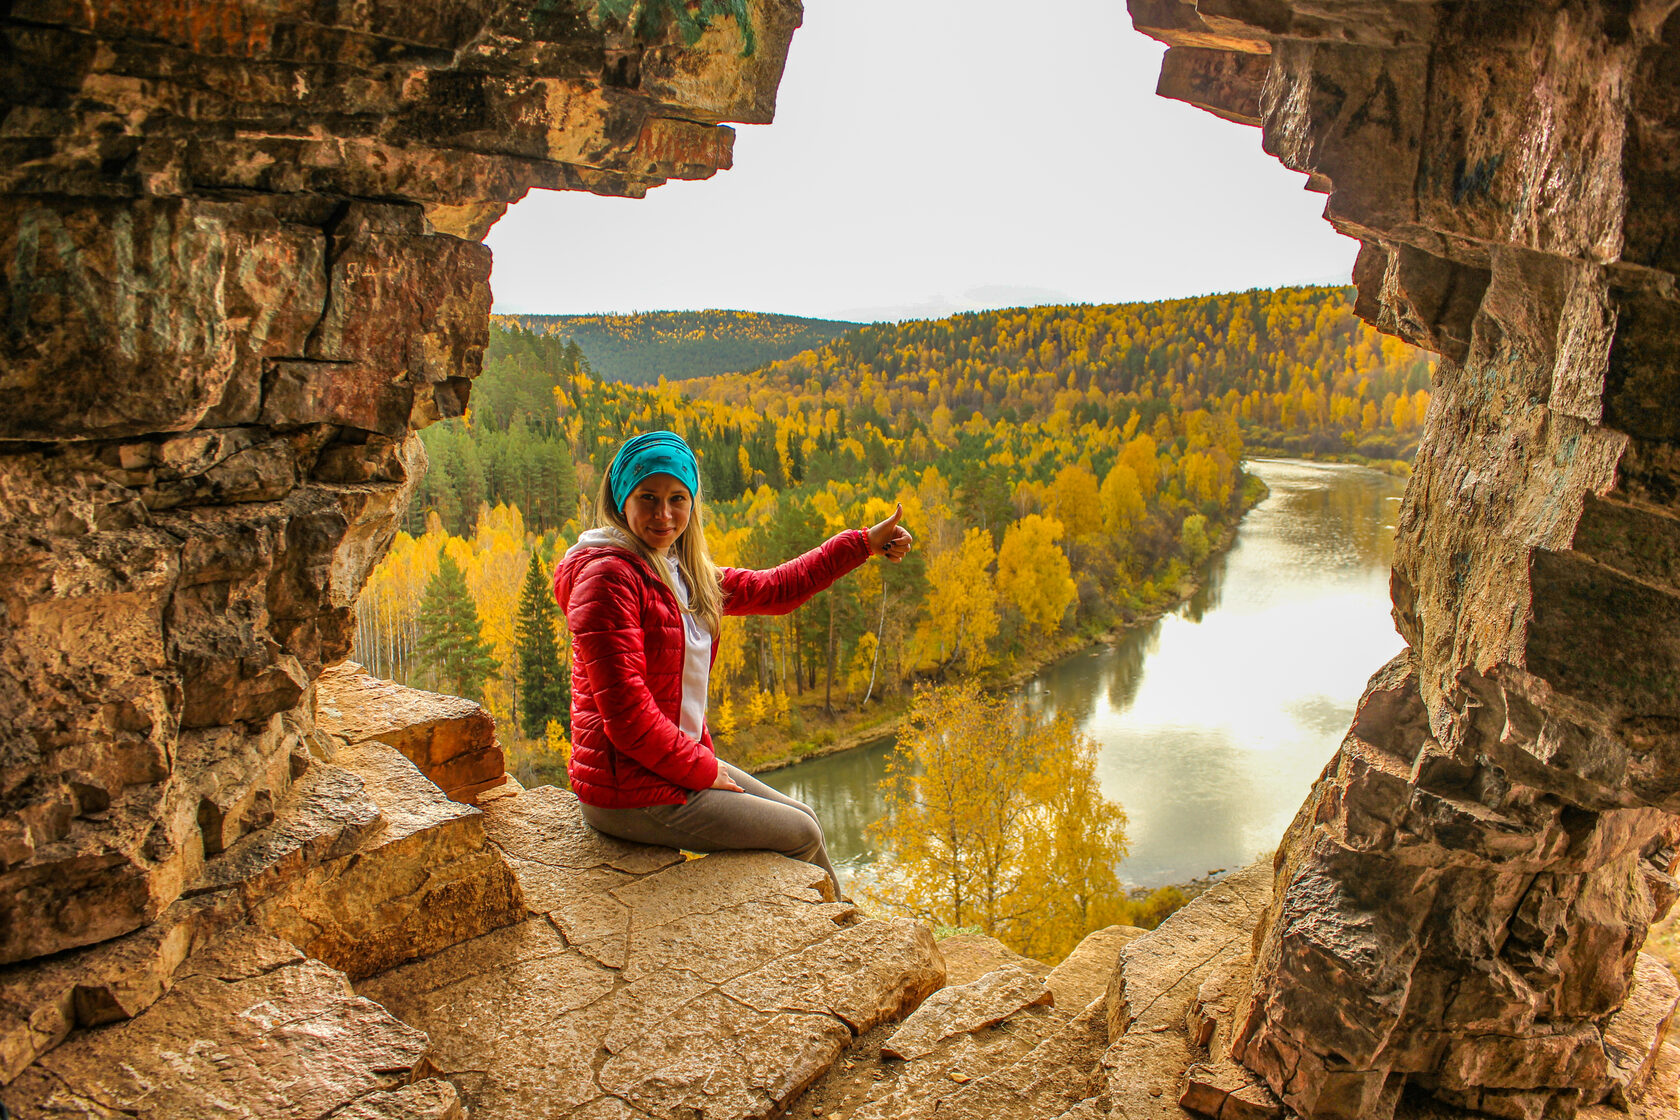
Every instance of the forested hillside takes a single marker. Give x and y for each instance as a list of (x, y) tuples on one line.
[(1062, 470), (1299, 372), (678, 345)]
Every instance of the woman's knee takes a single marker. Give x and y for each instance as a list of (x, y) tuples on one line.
[(808, 833)]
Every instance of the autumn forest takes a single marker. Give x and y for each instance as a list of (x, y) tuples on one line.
[(1064, 470)]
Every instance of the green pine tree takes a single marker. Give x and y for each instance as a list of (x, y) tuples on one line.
[(796, 460), (452, 645), (545, 689)]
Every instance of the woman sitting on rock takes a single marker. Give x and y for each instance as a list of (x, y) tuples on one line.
[(643, 601)]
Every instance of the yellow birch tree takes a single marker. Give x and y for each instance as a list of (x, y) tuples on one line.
[(962, 601), (1033, 574)]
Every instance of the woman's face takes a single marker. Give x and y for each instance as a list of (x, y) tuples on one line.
[(658, 511)]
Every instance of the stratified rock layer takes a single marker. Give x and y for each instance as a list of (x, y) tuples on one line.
[(451, 739), (1460, 904), (366, 865), (240, 247)]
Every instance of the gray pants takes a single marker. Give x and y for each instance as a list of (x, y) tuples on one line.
[(721, 820)]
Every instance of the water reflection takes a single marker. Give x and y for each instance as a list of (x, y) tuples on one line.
[(1215, 720)]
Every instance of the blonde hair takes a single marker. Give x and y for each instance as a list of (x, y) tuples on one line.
[(705, 599)]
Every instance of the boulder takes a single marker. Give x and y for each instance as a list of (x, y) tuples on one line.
[(1460, 904), (969, 956), (428, 879), (1084, 974), (242, 268), (365, 864), (966, 1008)]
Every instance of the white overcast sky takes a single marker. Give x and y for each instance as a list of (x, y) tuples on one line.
[(934, 156)]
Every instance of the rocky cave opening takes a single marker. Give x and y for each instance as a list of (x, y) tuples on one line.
[(243, 267)]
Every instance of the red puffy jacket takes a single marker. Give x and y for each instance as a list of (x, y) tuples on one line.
[(627, 665)]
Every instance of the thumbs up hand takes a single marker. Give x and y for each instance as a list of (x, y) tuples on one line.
[(889, 538)]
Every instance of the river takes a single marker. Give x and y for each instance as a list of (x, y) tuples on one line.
[(1214, 720)]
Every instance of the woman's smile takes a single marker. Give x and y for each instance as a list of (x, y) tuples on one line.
[(658, 511)]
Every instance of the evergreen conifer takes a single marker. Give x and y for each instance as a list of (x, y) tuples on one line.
[(545, 689), (452, 645)]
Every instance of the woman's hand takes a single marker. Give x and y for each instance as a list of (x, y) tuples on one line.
[(889, 538), (724, 781)]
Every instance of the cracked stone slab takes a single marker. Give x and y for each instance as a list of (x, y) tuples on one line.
[(1152, 1002), (867, 974), (719, 945), (921, 1087), (965, 1009), (717, 1057), (608, 1108), (1084, 975), (431, 1099), (579, 903), (718, 986), (1161, 972), (515, 1018), (41, 1002), (528, 964), (927, 1086), (643, 1007), (251, 1028), (544, 825), (1057, 1074), (578, 896), (720, 881)]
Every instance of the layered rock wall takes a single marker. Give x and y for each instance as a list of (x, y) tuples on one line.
[(1460, 903), (240, 244)]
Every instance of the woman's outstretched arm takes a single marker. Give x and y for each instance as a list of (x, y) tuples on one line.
[(780, 589)]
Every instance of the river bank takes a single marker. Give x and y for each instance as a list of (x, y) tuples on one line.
[(1213, 722), (1394, 468), (869, 726)]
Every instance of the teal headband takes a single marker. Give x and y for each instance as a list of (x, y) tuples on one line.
[(652, 453)]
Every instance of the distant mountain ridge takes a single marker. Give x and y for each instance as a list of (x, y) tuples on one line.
[(678, 345)]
